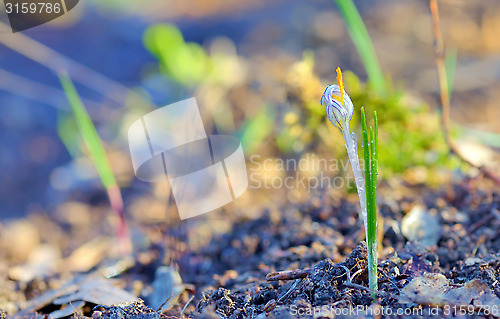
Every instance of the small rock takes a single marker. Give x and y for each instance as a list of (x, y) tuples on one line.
[(471, 261), (422, 227)]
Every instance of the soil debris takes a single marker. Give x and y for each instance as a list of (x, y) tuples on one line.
[(320, 285), (136, 310)]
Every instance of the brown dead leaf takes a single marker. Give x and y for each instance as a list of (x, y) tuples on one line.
[(97, 291), (91, 288), (434, 290), (426, 289)]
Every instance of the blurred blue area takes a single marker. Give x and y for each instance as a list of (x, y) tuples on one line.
[(29, 146), (28, 129)]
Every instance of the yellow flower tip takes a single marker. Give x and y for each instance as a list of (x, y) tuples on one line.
[(341, 86)]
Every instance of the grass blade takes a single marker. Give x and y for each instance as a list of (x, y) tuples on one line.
[(68, 133), (98, 155), (363, 43), (370, 156), (89, 133), (366, 154), (372, 214)]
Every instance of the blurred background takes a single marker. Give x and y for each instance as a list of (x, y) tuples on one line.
[(258, 70)]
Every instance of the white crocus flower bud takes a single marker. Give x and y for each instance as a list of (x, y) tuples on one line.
[(339, 106), (338, 113)]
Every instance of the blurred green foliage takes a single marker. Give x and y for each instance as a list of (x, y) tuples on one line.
[(410, 132), (254, 131), (190, 65), (184, 62)]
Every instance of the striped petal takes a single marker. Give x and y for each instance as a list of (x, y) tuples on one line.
[(338, 113)]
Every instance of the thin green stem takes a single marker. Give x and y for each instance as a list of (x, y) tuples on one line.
[(374, 172), (366, 154), (370, 150), (372, 213), (361, 38)]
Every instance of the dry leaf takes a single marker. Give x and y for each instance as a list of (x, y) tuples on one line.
[(426, 289), (434, 290), (90, 288)]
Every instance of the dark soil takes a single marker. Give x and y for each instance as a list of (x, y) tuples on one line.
[(325, 239), (310, 260)]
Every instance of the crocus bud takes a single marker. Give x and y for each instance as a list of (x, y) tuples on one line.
[(339, 107)]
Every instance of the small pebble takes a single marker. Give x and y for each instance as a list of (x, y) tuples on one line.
[(421, 227)]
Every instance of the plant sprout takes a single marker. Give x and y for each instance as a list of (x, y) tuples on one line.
[(98, 156), (339, 110)]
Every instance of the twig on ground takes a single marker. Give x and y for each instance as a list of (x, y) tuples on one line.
[(165, 302), (185, 306), (390, 280), (350, 284), (356, 273), (288, 275), (289, 290), (439, 50)]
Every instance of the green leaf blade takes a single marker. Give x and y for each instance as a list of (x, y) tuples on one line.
[(89, 133), (366, 154), (361, 38)]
